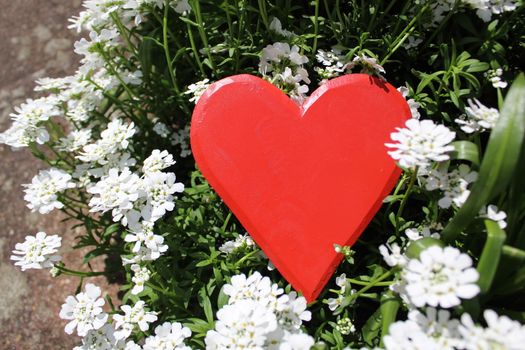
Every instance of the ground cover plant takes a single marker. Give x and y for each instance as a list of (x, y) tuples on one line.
[(441, 266)]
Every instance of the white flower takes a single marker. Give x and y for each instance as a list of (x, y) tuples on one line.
[(116, 191), (197, 89), (42, 193), (75, 140), (27, 122), (161, 129), (182, 138), (421, 142), (255, 287), (333, 64), (440, 277), (345, 326), (133, 316), (37, 252), (392, 254), (334, 303), (114, 138), (501, 333), (159, 188), (494, 75), (368, 65), (141, 232), (117, 134), (100, 339), (280, 55), (241, 241), (140, 276), (479, 117), (157, 161), (168, 336), (84, 310), (433, 330), (492, 212), (244, 324), (277, 27), (291, 311), (290, 84), (296, 341), (181, 6), (116, 160), (454, 184), (411, 102), (417, 233)]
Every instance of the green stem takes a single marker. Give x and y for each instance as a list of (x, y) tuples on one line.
[(70, 272), (374, 283), (413, 178), (316, 26), (166, 47)]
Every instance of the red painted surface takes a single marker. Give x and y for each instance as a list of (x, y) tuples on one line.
[(299, 179)]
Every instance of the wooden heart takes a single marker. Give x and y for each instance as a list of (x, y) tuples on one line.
[(299, 178)]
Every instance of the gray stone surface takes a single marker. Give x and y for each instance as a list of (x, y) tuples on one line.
[(34, 43)]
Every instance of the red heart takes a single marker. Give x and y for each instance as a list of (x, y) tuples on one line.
[(299, 179)]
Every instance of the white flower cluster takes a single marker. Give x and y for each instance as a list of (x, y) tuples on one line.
[(478, 118), (454, 184), (420, 143), (259, 316), (99, 332), (484, 8), (411, 102), (436, 329), (42, 193), (368, 65), (238, 243), (439, 277), (494, 76), (195, 90), (344, 290), (286, 65), (138, 202), (37, 252), (333, 64), (29, 122)]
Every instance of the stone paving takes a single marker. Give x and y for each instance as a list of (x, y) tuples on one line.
[(35, 43)]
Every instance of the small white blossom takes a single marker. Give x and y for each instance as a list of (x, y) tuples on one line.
[(182, 138), (100, 339), (197, 89), (244, 324), (453, 184), (433, 329), (392, 254), (37, 252), (417, 233), (494, 76), (140, 276), (157, 161), (492, 212), (280, 55), (117, 191), (159, 188), (501, 332), (440, 277), (75, 140), (479, 117), (42, 193), (168, 336), (84, 310), (368, 65), (334, 303), (421, 142), (161, 129), (411, 102), (277, 27), (133, 317), (241, 241)]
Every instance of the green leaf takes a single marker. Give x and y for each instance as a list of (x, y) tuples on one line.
[(465, 150), (372, 328), (490, 256), (499, 162), (389, 307)]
